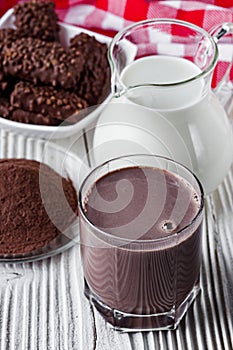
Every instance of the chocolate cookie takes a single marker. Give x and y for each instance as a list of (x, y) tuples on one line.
[(94, 83), (47, 103), (37, 19), (22, 116), (25, 223), (42, 62), (5, 108), (7, 36)]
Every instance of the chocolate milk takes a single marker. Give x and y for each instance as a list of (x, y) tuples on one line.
[(146, 258)]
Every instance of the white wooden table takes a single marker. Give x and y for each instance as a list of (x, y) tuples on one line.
[(42, 305)]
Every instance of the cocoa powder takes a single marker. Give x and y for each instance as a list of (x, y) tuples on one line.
[(25, 223)]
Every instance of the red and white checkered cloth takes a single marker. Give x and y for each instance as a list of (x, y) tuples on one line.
[(109, 16)]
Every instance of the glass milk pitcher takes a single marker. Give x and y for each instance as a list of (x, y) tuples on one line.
[(167, 66)]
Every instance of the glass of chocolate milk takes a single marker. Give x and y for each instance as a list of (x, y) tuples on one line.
[(141, 241)]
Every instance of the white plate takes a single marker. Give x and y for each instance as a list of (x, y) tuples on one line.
[(54, 132)]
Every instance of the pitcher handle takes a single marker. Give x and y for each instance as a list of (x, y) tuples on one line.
[(224, 89)]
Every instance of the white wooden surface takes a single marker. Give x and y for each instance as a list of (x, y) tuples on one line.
[(42, 305)]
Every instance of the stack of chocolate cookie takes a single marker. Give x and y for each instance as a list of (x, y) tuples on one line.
[(42, 82)]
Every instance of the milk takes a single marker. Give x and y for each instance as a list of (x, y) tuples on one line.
[(191, 109), (162, 70)]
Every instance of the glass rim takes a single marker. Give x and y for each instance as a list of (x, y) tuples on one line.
[(166, 21), (103, 233)]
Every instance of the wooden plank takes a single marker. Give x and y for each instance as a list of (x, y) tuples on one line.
[(42, 305)]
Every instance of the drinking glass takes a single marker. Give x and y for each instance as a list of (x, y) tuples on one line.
[(138, 278)]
